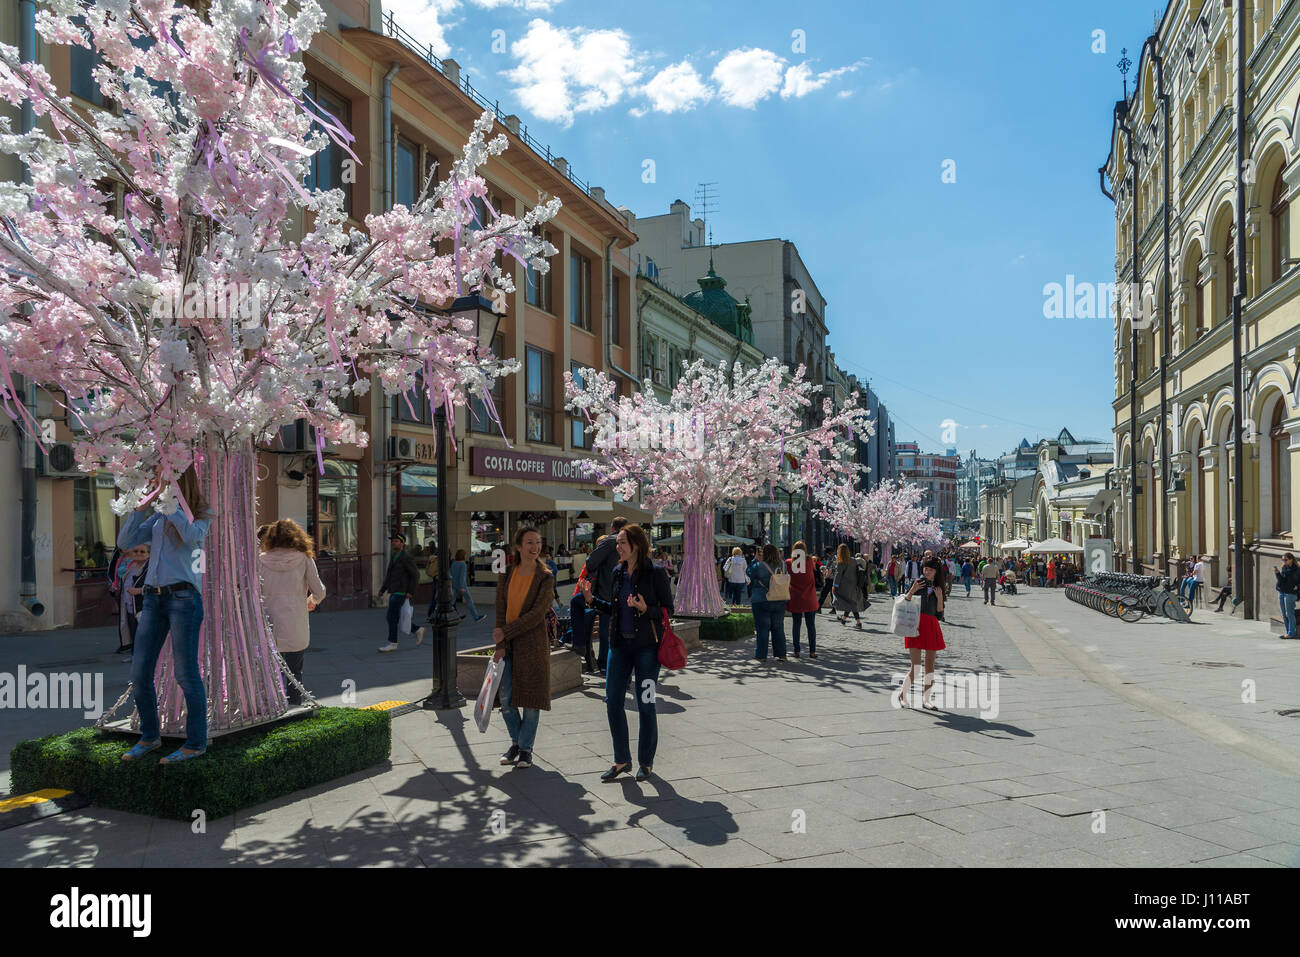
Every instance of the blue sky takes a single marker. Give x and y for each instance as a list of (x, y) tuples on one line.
[(934, 289)]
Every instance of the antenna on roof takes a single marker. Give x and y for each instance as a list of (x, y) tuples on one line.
[(706, 203)]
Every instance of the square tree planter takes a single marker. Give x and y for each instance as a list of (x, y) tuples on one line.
[(688, 630), (566, 671)]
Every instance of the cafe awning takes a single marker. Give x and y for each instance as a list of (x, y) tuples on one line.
[(1100, 502), (637, 516), (534, 498), (1052, 546)]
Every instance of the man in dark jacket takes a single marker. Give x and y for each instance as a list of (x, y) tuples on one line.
[(600, 572), (399, 582), (1288, 586)]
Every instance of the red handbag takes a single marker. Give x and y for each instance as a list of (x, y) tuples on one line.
[(672, 650)]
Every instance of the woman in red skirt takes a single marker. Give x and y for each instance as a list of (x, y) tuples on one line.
[(930, 636)]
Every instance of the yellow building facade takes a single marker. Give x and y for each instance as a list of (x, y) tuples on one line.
[(1175, 457)]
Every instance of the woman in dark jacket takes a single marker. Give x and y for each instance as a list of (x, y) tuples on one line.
[(523, 599), (641, 594)]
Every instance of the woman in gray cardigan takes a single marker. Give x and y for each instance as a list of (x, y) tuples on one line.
[(847, 587)]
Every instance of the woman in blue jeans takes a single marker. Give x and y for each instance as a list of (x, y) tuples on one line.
[(173, 604), (460, 584), (1288, 585), (641, 596), (769, 616)]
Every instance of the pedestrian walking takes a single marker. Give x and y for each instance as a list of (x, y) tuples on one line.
[(803, 604), (734, 571), (770, 587), (291, 589), (600, 572), (891, 577), (400, 581), (1051, 573), (929, 636), (460, 586), (967, 572), (641, 595), (173, 605), (847, 587), (128, 583), (1288, 587), (989, 575), (523, 599), (553, 567)]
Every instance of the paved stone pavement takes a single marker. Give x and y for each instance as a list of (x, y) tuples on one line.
[(1113, 745)]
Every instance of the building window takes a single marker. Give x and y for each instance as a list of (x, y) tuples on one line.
[(580, 290), (417, 410), (1280, 214), (336, 509), (83, 64), (540, 400), (538, 288), (406, 166), (325, 168), (578, 423), (94, 526), (1229, 271), (479, 418), (616, 314)]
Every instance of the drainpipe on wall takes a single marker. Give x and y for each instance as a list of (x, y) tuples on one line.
[(385, 416), (1242, 574), (27, 464), (1135, 283)]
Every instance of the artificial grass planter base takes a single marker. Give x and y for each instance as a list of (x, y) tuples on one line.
[(730, 627), (238, 770)]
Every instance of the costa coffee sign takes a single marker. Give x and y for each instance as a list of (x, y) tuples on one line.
[(509, 464)]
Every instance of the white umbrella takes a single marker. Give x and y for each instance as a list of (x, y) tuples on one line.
[(974, 545), (1053, 545), (1015, 545)]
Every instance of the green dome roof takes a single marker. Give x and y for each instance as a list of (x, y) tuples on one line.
[(721, 308)]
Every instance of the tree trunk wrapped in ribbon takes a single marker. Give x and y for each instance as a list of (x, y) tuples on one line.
[(723, 435), (192, 326)]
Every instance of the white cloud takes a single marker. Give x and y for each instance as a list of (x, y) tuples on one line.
[(745, 77), (844, 94), (566, 71), (800, 79), (677, 88), (543, 6), (424, 20)]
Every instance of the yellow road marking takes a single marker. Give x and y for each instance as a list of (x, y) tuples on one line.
[(27, 800), (384, 706)]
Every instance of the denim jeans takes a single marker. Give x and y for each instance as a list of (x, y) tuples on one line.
[(769, 618), (734, 592), (294, 661), (811, 618), (469, 600), (522, 728), (966, 580), (1287, 603), (622, 664), (395, 603), (893, 586), (181, 614)]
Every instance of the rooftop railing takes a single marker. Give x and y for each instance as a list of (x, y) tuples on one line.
[(425, 50)]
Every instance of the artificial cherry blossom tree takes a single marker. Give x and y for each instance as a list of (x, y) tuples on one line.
[(195, 324), (722, 435), (889, 513)]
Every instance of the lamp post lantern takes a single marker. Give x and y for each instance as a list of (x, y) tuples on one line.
[(442, 614)]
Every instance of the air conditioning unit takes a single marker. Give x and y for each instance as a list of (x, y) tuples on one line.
[(59, 462), (400, 449), (298, 437)]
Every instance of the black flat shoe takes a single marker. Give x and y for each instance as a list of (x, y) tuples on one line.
[(643, 774), (615, 771)]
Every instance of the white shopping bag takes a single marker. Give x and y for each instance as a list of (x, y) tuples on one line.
[(906, 619), (488, 693), (404, 623)]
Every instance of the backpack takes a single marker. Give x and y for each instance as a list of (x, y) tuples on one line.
[(778, 586)]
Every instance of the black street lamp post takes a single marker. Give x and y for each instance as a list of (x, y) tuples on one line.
[(444, 694)]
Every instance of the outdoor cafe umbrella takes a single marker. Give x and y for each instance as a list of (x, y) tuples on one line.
[(720, 539), (974, 545), (1051, 546)]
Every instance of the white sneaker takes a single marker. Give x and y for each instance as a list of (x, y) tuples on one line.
[(391, 646), (419, 636)]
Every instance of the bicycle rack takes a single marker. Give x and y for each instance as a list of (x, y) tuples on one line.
[(1128, 597)]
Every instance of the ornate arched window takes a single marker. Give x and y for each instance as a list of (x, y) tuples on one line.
[(1280, 219)]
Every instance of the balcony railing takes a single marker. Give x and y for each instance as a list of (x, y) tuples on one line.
[(425, 50)]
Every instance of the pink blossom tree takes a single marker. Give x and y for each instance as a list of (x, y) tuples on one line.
[(192, 326), (723, 435), (888, 514)]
